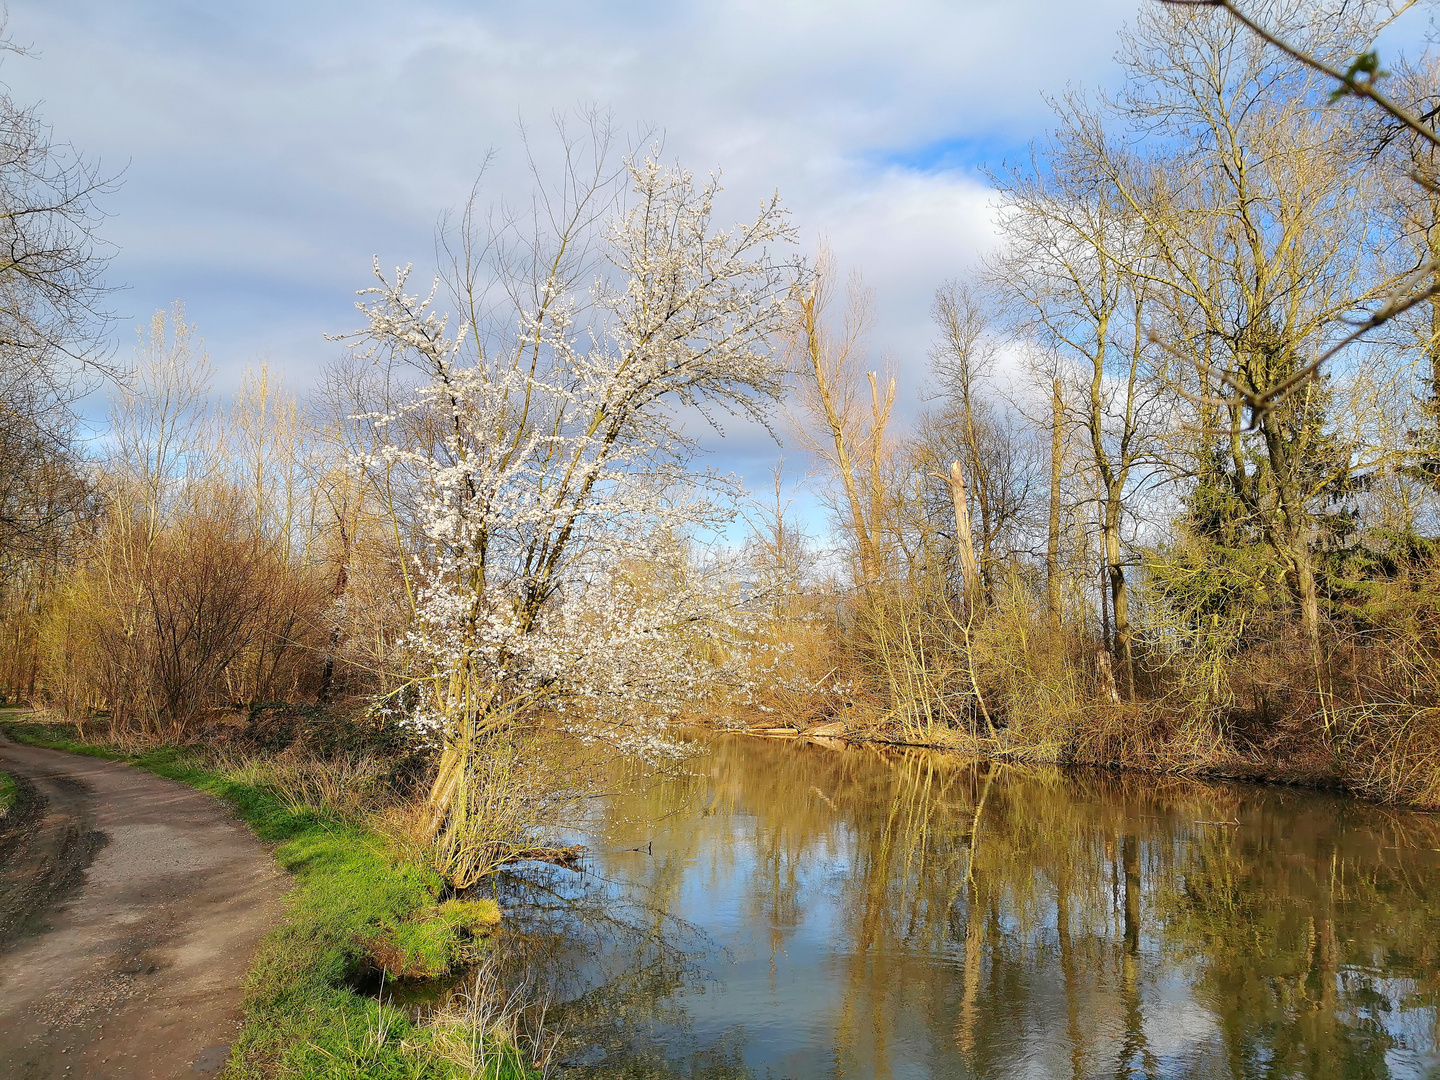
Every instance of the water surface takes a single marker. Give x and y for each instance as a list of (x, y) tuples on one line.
[(802, 911)]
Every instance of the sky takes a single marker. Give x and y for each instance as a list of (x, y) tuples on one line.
[(268, 150)]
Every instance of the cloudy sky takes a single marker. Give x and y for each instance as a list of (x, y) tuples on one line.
[(269, 149)]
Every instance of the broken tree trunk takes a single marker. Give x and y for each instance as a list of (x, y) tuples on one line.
[(969, 570)]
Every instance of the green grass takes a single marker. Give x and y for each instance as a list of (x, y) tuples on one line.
[(8, 793), (351, 900)]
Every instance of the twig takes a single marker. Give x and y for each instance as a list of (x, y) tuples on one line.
[(1350, 80)]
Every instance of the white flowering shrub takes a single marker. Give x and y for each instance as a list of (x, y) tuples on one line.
[(549, 477)]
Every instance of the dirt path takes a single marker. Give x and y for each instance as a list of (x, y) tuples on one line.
[(130, 907)]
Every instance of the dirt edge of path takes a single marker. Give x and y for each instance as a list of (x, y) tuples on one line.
[(141, 901)]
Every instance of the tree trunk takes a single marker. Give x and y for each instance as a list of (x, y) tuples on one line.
[(1308, 596), (964, 542), (1107, 676), (1432, 350), (1106, 638), (1293, 525), (1119, 596), (1130, 857), (1052, 536), (327, 673)]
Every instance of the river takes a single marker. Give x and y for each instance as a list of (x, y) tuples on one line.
[(781, 909)]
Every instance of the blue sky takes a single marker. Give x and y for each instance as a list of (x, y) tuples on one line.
[(270, 149)]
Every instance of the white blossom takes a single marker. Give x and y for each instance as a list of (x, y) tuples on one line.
[(551, 482)]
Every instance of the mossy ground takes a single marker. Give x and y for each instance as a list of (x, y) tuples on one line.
[(352, 904)]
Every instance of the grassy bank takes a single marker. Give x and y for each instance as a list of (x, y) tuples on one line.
[(354, 905), (8, 793)]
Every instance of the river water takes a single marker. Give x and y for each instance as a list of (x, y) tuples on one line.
[(804, 911)]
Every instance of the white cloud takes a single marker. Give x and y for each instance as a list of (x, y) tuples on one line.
[(273, 148), (908, 232)]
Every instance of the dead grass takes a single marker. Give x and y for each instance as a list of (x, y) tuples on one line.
[(487, 1032), (1391, 751), (1013, 684), (351, 787)]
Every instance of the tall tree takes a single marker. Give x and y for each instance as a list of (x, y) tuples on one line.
[(544, 459), (53, 326), (1262, 220), (991, 461), (1074, 269)]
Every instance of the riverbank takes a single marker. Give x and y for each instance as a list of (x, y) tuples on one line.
[(1212, 760), (354, 906)]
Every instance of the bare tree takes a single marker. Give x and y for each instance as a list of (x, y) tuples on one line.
[(848, 412), (53, 325), (1073, 268), (52, 321), (989, 454), (1338, 46), (1263, 225)]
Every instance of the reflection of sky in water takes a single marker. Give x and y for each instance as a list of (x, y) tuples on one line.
[(811, 913)]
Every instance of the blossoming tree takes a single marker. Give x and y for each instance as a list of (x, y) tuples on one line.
[(547, 468)]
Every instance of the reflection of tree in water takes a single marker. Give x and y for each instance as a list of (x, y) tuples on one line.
[(992, 919), (612, 962), (1040, 885), (622, 1018), (1307, 950)]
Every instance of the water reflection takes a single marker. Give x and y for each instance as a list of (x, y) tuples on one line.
[(802, 911)]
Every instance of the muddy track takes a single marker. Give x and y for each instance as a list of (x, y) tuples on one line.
[(44, 850), (130, 907)]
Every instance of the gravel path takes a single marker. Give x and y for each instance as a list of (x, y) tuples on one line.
[(130, 907)]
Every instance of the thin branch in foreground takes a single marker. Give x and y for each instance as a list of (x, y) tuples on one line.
[(1359, 79)]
